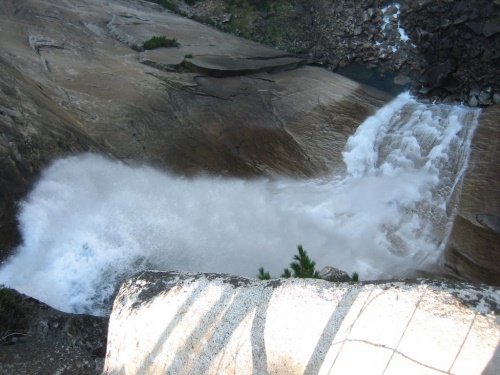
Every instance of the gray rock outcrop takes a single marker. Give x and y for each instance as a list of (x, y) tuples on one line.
[(444, 48), (47, 341), (473, 249), (74, 79), (170, 322), (329, 273)]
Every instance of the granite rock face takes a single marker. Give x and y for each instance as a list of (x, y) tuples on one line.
[(75, 79), (169, 322), (48, 341), (474, 246), (442, 48)]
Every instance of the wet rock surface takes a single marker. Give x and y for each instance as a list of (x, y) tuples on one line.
[(51, 342), (75, 79), (474, 246)]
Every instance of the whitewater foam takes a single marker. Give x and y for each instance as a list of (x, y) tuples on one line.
[(391, 16), (90, 222)]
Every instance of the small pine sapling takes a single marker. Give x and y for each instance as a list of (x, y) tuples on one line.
[(263, 275), (286, 274), (304, 267)]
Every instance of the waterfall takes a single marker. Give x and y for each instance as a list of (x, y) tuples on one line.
[(90, 222)]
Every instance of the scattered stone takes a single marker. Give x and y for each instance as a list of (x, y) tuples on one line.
[(451, 85), (439, 31), (476, 27), (475, 91), (53, 342), (496, 97), (402, 80), (484, 98), (473, 102), (438, 73), (424, 90), (300, 10), (226, 18), (461, 19), (491, 28), (450, 99), (334, 274)]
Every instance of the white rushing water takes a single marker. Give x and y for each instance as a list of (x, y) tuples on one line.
[(391, 18), (90, 222)]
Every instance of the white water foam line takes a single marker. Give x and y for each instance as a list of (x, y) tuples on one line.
[(393, 19)]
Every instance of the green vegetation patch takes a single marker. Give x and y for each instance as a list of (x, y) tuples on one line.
[(13, 319), (168, 5), (158, 42), (302, 267), (270, 22), (185, 67)]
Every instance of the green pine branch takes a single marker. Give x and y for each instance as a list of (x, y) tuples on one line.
[(304, 267), (263, 275)]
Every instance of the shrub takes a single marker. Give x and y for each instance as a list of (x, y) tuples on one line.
[(185, 67), (263, 275), (13, 319), (7, 299), (286, 274), (159, 41), (304, 267), (188, 56)]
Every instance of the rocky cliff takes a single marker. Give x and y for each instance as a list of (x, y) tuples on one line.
[(73, 80), (169, 322), (474, 245), (443, 50), (37, 339)]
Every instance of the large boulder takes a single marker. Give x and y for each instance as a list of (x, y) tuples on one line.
[(180, 323), (473, 249)]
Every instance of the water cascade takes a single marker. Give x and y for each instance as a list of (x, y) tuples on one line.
[(90, 222)]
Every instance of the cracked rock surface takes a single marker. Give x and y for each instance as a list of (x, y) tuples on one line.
[(184, 323)]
